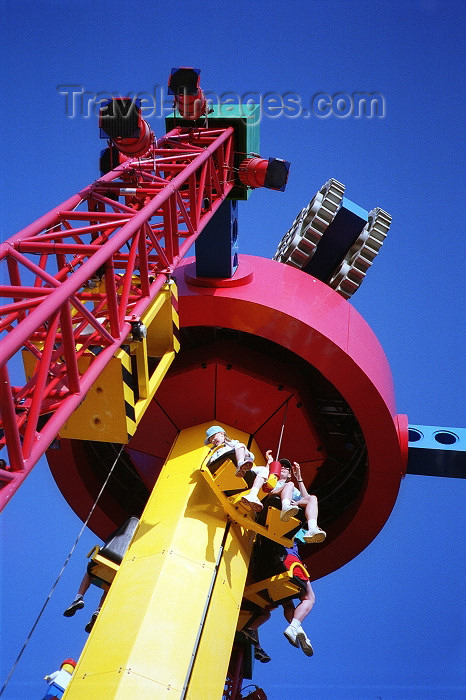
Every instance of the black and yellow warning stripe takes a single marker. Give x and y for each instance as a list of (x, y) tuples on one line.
[(123, 354)]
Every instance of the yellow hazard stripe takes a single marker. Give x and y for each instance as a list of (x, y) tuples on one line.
[(128, 390), (175, 318)]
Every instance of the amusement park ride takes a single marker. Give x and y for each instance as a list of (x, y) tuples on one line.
[(131, 350)]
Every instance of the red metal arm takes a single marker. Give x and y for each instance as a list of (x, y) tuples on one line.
[(130, 228)]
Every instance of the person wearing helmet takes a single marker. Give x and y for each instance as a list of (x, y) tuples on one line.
[(224, 446)]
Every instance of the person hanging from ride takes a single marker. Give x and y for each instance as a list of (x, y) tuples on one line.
[(292, 498), (78, 602), (224, 446), (252, 636), (113, 550), (269, 551)]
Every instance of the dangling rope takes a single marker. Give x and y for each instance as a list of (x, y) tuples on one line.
[(61, 573), (283, 428)]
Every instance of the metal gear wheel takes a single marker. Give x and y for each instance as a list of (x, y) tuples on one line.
[(349, 276), (299, 243)]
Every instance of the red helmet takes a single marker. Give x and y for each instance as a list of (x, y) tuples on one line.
[(72, 662)]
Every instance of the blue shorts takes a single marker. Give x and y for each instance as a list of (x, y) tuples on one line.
[(296, 495)]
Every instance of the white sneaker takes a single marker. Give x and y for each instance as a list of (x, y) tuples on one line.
[(315, 534), (288, 512), (304, 642), (252, 502), (291, 633)]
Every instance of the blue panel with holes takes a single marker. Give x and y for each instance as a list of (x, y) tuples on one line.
[(437, 451)]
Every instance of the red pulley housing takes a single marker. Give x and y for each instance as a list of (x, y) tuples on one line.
[(191, 106), (183, 83), (120, 121), (252, 171), (137, 146), (260, 172)]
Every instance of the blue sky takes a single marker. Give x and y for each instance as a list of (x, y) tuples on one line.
[(390, 624)]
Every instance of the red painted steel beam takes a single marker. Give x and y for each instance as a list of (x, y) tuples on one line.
[(168, 198)]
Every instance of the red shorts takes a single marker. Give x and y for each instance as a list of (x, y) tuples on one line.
[(299, 569)]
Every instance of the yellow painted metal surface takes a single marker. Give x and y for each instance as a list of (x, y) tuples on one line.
[(114, 405), (164, 333), (275, 588), (274, 528), (104, 569), (167, 625), (107, 411)]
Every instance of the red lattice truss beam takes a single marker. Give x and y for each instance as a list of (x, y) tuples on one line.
[(131, 228)]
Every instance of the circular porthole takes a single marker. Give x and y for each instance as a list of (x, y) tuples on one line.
[(414, 435), (445, 437)]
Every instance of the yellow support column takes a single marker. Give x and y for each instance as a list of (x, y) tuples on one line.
[(167, 625)]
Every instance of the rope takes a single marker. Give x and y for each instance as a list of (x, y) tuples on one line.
[(204, 613), (283, 428), (60, 574)]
